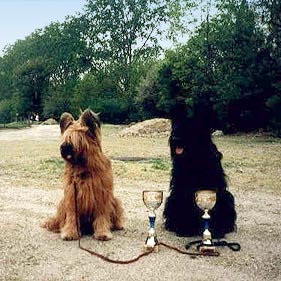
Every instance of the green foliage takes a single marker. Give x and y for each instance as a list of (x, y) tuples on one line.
[(274, 104), (147, 96), (109, 58), (110, 38), (58, 100), (271, 19), (123, 35), (222, 64), (159, 164), (6, 111), (101, 94), (236, 59), (30, 84), (45, 62)]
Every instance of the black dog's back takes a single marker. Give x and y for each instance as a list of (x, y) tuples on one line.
[(196, 165)]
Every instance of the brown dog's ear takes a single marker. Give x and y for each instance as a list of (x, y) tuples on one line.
[(90, 119), (66, 120)]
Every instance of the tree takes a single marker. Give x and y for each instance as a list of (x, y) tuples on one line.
[(219, 66), (115, 38), (5, 81), (98, 91), (42, 64), (226, 55), (32, 79), (63, 49), (26, 75), (271, 20), (58, 100), (147, 97), (123, 34)]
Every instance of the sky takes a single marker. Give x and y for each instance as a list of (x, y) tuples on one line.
[(19, 18)]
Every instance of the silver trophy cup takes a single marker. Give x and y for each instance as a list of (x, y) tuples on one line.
[(206, 200), (152, 200)]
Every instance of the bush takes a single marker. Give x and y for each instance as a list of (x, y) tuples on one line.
[(274, 104), (6, 111)]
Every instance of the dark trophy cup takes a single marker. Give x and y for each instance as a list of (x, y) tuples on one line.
[(206, 200), (152, 200)]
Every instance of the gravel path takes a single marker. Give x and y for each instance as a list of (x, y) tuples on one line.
[(31, 253)]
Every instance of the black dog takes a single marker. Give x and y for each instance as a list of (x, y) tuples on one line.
[(196, 165)]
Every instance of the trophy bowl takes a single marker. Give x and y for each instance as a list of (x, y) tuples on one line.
[(152, 200), (206, 199)]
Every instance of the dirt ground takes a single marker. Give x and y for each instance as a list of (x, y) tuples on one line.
[(31, 253)]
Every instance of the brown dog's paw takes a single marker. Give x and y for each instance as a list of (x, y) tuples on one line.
[(69, 233), (43, 224), (51, 224), (103, 236), (69, 236)]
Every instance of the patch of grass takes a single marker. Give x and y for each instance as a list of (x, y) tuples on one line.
[(140, 171), (235, 164), (142, 168), (160, 164), (14, 125), (53, 164)]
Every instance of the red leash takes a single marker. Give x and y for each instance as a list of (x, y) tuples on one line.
[(139, 256)]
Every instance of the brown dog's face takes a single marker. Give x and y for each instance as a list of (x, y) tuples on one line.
[(79, 137)]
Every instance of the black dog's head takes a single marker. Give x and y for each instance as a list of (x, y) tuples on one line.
[(191, 128)]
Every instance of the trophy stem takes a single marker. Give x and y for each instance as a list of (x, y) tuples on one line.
[(152, 218), (151, 243), (207, 244)]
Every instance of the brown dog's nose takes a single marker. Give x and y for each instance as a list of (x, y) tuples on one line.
[(66, 151)]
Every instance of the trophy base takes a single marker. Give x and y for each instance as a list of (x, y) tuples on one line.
[(207, 249), (154, 249)]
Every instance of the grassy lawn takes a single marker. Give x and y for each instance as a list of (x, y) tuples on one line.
[(14, 125), (251, 162)]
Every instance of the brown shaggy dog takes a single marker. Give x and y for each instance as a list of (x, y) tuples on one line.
[(88, 183)]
